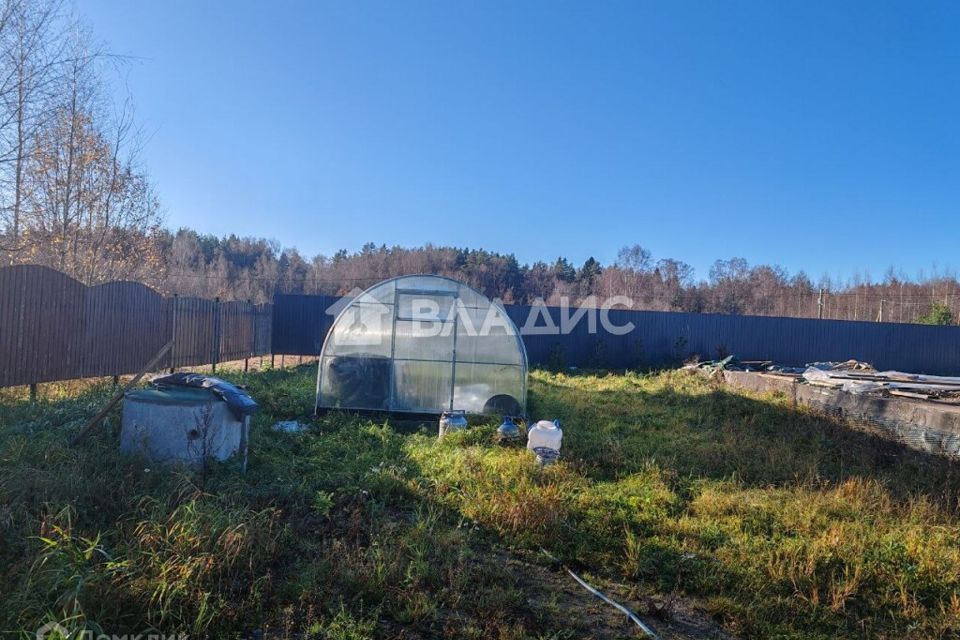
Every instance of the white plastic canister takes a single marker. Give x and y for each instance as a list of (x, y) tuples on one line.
[(544, 439)]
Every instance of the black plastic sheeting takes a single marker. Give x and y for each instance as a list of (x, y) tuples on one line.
[(240, 403), (361, 381)]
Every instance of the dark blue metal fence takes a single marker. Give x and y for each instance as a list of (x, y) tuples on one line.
[(303, 324), (658, 338)]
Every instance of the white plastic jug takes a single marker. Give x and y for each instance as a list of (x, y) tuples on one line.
[(544, 439)]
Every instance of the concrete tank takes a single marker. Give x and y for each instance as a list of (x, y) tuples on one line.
[(181, 424)]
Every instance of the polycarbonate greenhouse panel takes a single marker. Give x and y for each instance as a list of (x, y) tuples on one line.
[(412, 306), (361, 329), (424, 341), (474, 299), (487, 335), (422, 344), (476, 384), (383, 293), (421, 386)]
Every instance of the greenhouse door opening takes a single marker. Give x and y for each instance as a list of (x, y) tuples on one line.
[(423, 344)]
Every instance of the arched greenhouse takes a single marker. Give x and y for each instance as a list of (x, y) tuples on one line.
[(423, 344)]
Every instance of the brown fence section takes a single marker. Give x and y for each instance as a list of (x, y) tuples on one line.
[(244, 330), (193, 331), (55, 328), (42, 325), (125, 324)]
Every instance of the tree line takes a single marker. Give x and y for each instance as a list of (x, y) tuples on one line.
[(256, 269), (74, 196)]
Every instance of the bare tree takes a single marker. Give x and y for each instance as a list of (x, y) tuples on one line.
[(90, 211), (31, 52)]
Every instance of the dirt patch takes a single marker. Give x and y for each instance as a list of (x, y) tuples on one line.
[(552, 592)]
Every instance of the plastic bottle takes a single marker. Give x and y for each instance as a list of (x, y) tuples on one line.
[(544, 439), (452, 421), (508, 431)]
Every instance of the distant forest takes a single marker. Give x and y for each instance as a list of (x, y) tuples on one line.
[(256, 269), (74, 196), (232, 268)]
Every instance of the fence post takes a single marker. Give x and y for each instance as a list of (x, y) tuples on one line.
[(173, 347), (253, 336), (215, 355)]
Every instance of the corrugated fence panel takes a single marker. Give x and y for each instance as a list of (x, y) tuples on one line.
[(668, 337), (300, 323), (238, 330), (41, 311), (127, 323), (193, 344), (262, 329), (55, 328), (554, 337)]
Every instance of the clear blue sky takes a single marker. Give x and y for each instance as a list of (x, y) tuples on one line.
[(817, 135)]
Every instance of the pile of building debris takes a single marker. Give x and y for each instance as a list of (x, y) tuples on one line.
[(894, 383), (851, 376)]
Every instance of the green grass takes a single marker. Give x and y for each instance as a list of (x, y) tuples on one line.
[(777, 523)]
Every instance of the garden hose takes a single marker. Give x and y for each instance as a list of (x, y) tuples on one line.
[(583, 583)]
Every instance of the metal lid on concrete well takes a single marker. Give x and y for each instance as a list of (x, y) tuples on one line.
[(174, 396)]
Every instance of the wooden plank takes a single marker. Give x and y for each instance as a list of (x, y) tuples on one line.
[(116, 398), (910, 394)]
